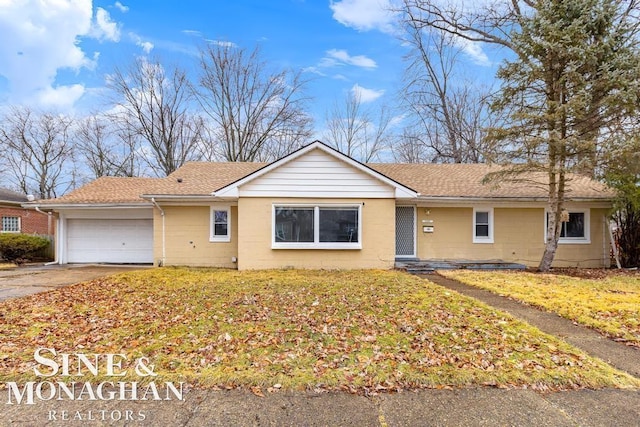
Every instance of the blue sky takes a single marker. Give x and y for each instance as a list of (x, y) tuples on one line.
[(57, 53)]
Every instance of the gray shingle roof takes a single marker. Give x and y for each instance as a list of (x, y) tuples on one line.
[(7, 195), (430, 180)]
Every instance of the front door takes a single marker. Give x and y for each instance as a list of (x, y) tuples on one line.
[(405, 231)]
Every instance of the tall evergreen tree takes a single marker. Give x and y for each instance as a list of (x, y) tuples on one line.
[(572, 78)]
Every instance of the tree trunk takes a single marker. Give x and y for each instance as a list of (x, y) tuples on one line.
[(551, 245), (557, 182)]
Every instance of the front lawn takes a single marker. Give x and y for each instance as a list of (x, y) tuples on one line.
[(360, 331), (609, 303)]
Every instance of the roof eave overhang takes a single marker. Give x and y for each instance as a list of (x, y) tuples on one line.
[(112, 205), (11, 203), (463, 199), (186, 198)]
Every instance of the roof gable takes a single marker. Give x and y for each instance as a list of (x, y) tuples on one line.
[(316, 170)]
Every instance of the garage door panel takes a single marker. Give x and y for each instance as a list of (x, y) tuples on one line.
[(109, 240)]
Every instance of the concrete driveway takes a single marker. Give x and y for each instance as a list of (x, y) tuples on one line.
[(28, 280)]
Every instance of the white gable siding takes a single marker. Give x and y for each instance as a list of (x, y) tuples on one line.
[(316, 174)]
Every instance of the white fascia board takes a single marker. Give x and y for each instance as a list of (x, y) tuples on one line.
[(405, 193), (231, 190)]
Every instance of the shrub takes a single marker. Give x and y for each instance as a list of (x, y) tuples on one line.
[(19, 248)]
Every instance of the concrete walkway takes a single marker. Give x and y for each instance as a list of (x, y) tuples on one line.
[(616, 354)]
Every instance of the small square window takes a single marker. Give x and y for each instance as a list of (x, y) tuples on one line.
[(220, 225), (576, 230), (10, 224)]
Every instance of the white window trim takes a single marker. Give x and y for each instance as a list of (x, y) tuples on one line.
[(482, 239), (586, 240), (212, 236), (316, 244), (19, 224)]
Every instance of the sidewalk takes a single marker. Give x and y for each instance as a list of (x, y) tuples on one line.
[(470, 407)]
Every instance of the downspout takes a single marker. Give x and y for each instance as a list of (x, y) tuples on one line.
[(55, 252), (164, 253)]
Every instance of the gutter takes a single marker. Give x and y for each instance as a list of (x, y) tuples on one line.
[(509, 198), (164, 246), (177, 196), (55, 252), (91, 205)]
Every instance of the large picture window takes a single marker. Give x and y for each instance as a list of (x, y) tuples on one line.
[(316, 227), (294, 225)]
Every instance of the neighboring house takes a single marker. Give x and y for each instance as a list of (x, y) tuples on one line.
[(317, 208), (15, 219)]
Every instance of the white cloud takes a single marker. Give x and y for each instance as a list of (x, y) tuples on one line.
[(222, 43), (366, 95), (121, 7), (41, 38), (341, 57), (314, 70), (474, 51), (59, 97), (364, 15), (104, 28), (195, 33), (146, 45)]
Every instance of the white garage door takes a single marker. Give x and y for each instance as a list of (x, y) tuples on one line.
[(110, 240)]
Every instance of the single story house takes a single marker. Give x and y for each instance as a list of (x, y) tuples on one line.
[(318, 208), (16, 219)]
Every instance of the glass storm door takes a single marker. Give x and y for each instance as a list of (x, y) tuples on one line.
[(405, 232)]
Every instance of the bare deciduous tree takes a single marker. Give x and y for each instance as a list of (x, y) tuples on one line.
[(255, 113), (106, 150), (448, 114), (156, 104), (352, 130), (39, 152)]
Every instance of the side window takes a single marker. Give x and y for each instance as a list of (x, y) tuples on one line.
[(575, 230), (483, 225), (220, 224), (10, 224)]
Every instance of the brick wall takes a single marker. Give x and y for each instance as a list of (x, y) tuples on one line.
[(31, 222)]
